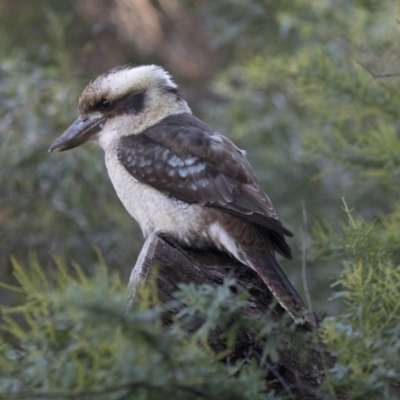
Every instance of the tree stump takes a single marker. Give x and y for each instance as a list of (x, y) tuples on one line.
[(298, 371)]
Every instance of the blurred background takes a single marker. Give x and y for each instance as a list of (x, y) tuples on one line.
[(308, 88)]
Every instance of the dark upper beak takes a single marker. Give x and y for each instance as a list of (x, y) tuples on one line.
[(78, 133)]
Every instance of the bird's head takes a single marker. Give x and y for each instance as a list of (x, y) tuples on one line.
[(124, 101)]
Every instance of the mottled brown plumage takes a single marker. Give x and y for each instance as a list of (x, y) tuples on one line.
[(183, 157), (174, 174)]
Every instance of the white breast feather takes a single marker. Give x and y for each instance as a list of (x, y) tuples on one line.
[(155, 211)]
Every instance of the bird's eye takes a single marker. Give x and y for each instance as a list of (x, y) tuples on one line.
[(105, 104)]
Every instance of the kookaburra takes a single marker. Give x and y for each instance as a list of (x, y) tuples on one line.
[(176, 175)]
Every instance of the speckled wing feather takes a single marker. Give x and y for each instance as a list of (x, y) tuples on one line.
[(184, 158)]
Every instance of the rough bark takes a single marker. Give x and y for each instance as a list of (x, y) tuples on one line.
[(299, 370)]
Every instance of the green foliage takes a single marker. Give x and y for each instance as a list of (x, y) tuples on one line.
[(307, 100), (52, 203), (308, 88), (365, 338), (318, 98), (73, 336), (296, 89)]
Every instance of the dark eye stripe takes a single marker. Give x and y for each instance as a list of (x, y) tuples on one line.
[(129, 104), (132, 103)]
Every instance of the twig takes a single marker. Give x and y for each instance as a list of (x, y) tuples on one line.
[(280, 379), (374, 75), (308, 297), (303, 257)]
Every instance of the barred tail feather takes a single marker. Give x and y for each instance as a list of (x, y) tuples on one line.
[(266, 266)]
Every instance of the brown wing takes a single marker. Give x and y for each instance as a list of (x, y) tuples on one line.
[(184, 158)]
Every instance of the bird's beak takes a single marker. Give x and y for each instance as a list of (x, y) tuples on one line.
[(78, 133)]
